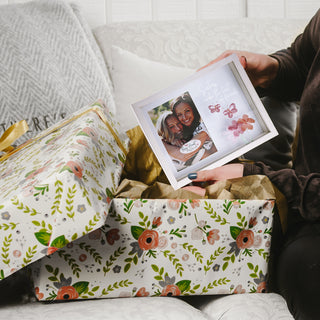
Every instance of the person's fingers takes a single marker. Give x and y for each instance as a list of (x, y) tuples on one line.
[(241, 55), (198, 190), (228, 171), (222, 56), (243, 61), (204, 175)]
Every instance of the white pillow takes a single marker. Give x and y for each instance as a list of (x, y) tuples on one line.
[(135, 78)]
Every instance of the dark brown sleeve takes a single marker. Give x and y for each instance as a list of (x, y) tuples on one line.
[(302, 192), (294, 63)]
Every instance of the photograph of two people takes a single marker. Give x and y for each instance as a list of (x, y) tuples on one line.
[(182, 131)]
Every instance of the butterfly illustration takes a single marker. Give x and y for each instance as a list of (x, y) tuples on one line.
[(230, 111), (214, 108)]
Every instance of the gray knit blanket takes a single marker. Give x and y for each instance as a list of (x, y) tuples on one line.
[(50, 64)]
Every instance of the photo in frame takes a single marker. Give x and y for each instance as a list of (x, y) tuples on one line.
[(204, 121)]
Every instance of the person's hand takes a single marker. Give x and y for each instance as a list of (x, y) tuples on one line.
[(229, 171), (178, 142), (202, 136), (261, 68)]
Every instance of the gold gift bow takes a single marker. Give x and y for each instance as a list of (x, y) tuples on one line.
[(13, 133), (15, 129)]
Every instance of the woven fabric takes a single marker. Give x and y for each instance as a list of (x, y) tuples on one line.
[(49, 65)]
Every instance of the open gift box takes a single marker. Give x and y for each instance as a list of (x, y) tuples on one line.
[(153, 247), (56, 187), (58, 213)]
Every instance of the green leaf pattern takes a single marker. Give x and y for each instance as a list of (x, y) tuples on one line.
[(53, 191), (58, 213), (162, 250)]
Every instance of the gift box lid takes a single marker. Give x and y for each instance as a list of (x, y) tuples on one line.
[(58, 186)]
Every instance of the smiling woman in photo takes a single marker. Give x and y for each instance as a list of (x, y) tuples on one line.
[(185, 110)]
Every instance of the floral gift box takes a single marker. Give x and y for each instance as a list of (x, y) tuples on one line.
[(164, 247), (57, 187)]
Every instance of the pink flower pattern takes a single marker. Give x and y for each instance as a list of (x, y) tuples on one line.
[(241, 125), (213, 235)]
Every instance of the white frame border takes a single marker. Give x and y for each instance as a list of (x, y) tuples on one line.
[(141, 112)]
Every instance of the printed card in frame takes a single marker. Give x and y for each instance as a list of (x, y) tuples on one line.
[(204, 121)]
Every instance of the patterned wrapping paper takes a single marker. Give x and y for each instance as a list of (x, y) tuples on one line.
[(57, 187), (164, 247)]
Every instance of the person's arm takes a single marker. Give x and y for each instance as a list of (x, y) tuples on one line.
[(261, 68), (283, 73), (295, 62), (302, 192), (174, 152)]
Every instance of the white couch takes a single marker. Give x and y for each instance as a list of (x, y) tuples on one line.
[(142, 58)]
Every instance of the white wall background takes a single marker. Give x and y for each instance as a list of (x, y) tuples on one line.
[(99, 12)]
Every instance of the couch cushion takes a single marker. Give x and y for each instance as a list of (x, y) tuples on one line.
[(147, 308), (277, 152), (248, 306), (135, 78), (49, 64), (194, 43)]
